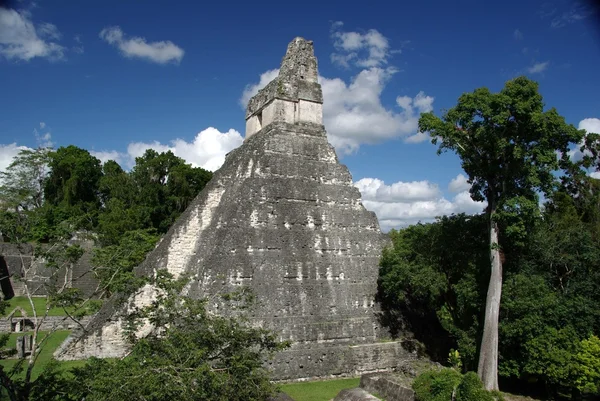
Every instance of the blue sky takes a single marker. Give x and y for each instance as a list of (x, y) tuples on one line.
[(116, 77)]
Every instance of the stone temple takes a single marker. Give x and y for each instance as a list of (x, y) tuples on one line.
[(282, 217)]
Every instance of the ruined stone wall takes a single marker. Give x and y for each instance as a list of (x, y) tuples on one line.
[(23, 267), (49, 323)]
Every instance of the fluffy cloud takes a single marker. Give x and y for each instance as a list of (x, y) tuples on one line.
[(374, 189), (20, 40), (366, 50), (404, 203), (207, 150), (159, 52), (353, 112), (459, 184), (538, 68), (590, 125)]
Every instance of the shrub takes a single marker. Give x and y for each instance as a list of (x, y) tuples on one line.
[(448, 384), (436, 385), (471, 389)]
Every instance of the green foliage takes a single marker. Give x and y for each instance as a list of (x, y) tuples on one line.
[(72, 186), (454, 359), (23, 180), (471, 388), (320, 390), (191, 354), (508, 146), (587, 365), (165, 185), (436, 385), (435, 274), (506, 142), (115, 263), (551, 291), (550, 355), (448, 384)]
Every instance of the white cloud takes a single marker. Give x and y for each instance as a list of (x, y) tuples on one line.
[(107, 155), (43, 139), (374, 189), (404, 203), (159, 52), (596, 175), (459, 184), (207, 150), (20, 40), (252, 89), (538, 67), (517, 34), (591, 126), (353, 113), (366, 50)]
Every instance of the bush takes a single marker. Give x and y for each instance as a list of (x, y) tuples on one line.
[(471, 389), (436, 385), (448, 384)]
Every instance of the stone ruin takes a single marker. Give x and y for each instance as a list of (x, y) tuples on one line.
[(282, 217), (21, 268)]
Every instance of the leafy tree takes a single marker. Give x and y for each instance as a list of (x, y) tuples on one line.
[(22, 184), (507, 145), (587, 369), (190, 354), (165, 185), (114, 263), (433, 274), (72, 186), (22, 197)]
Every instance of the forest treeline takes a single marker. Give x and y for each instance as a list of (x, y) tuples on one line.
[(516, 289), (48, 194)]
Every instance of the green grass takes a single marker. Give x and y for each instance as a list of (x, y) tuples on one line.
[(318, 390), (38, 302), (53, 341)]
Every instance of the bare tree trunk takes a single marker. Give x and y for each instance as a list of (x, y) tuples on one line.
[(488, 351)]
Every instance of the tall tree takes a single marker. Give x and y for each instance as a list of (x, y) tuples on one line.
[(22, 183), (74, 177), (508, 147)]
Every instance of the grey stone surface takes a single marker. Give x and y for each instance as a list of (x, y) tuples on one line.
[(282, 217), (297, 78), (355, 394), (49, 323), (387, 386), (293, 96), (19, 266)]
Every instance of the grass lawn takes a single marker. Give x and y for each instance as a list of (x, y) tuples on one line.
[(53, 341), (318, 390), (38, 302)]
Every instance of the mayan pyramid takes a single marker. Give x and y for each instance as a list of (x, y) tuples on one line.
[(282, 217)]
